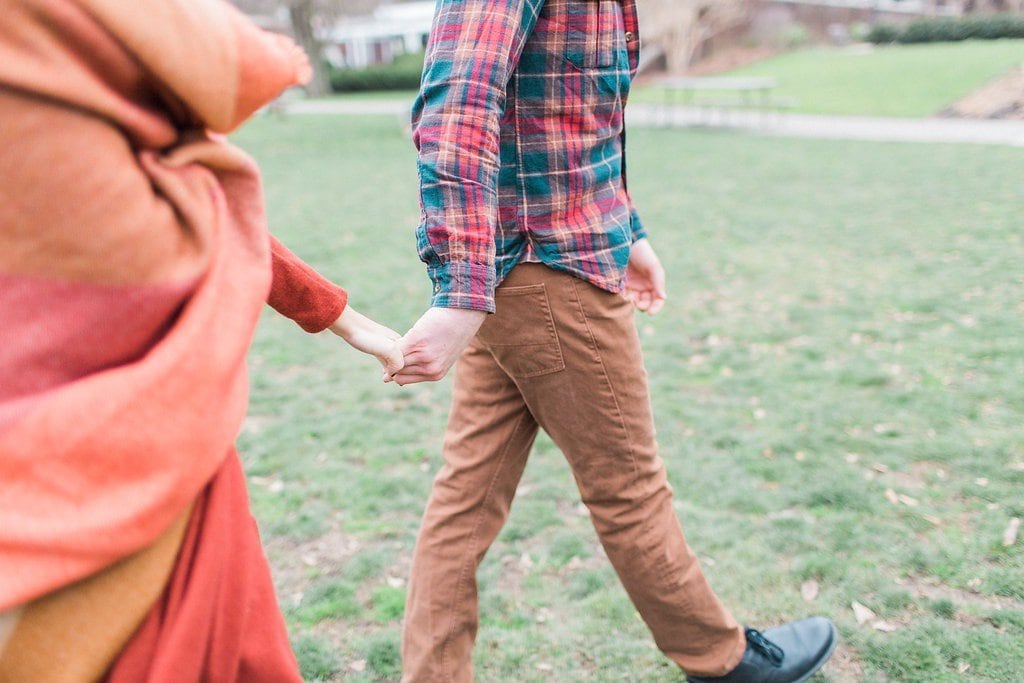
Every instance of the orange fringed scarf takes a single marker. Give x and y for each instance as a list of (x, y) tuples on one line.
[(134, 261)]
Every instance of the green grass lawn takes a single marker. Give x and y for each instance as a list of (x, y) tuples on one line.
[(897, 80), (836, 380)]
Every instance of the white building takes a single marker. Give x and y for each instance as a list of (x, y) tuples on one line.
[(391, 30)]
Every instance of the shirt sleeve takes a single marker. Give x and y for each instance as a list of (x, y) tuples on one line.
[(473, 49), (302, 294), (636, 226)]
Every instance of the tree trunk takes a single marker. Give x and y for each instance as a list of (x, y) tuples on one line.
[(302, 14)]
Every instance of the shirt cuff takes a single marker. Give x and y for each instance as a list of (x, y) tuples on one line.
[(459, 284), (636, 226)]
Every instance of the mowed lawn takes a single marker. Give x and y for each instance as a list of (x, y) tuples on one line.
[(889, 80), (837, 386)]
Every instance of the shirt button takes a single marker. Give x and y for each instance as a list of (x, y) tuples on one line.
[(437, 288), (630, 36)]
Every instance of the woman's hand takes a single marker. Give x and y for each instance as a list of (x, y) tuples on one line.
[(370, 337)]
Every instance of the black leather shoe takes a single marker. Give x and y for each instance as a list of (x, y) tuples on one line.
[(790, 653)]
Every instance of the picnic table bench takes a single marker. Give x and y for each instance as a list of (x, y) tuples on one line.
[(722, 94)]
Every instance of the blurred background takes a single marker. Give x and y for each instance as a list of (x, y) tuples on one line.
[(376, 45)]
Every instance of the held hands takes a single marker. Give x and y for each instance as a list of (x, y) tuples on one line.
[(370, 337), (427, 351), (434, 343), (424, 354), (645, 278)]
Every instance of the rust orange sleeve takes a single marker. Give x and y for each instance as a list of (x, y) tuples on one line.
[(302, 294)]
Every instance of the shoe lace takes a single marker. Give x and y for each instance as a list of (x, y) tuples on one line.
[(770, 650)]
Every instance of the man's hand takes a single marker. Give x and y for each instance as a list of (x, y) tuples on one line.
[(435, 342), (645, 278), (370, 337)]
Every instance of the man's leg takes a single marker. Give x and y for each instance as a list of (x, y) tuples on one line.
[(489, 436), (597, 410)]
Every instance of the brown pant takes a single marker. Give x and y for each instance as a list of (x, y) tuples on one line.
[(563, 355)]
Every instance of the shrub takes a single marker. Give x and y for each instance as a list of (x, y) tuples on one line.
[(402, 74), (883, 34), (859, 32), (936, 31), (950, 29)]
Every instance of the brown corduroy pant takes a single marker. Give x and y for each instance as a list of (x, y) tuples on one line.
[(562, 355)]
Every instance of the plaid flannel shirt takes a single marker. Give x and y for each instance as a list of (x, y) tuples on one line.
[(518, 124)]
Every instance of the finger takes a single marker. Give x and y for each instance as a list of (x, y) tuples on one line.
[(402, 379), (393, 362), (405, 345), (659, 288)]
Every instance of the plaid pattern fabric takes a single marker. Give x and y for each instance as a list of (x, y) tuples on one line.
[(518, 125)]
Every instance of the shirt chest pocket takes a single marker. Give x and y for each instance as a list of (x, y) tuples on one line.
[(593, 31)]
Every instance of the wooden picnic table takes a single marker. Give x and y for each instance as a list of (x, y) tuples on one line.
[(753, 90), (726, 93)]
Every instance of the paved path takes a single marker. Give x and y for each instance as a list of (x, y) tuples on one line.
[(984, 132), (990, 132)]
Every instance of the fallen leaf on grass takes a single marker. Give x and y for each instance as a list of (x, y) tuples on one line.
[(544, 666), (883, 626), (1010, 533), (358, 665), (901, 499), (932, 519), (862, 613), (809, 590), (963, 667)]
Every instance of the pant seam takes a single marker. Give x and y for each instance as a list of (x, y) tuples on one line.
[(647, 525), (604, 373)]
